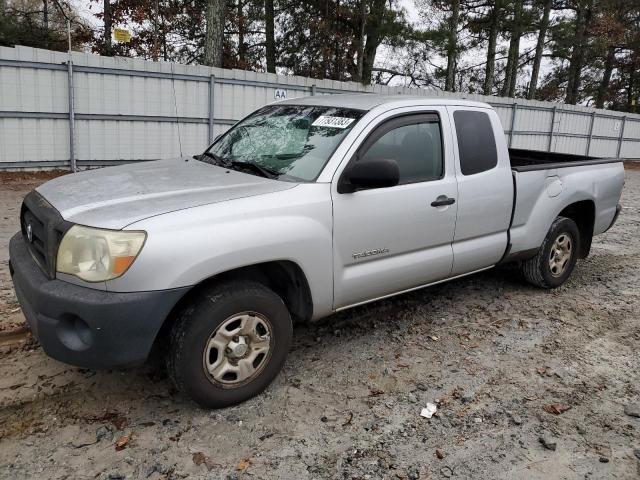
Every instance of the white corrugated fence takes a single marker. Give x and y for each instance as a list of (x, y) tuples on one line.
[(126, 109)]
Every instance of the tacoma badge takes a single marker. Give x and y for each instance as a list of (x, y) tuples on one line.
[(370, 253)]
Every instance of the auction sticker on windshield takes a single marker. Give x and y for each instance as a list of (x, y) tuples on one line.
[(335, 122)]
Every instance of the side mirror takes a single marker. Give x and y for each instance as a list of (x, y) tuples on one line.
[(365, 174)]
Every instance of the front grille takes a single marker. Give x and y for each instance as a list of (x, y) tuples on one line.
[(42, 228)]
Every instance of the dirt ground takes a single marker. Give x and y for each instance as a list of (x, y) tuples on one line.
[(510, 367)]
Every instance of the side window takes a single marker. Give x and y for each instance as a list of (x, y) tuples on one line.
[(417, 147), (476, 141)]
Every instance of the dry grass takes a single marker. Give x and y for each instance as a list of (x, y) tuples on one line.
[(28, 177), (632, 165)]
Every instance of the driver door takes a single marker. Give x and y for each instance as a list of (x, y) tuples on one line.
[(388, 240)]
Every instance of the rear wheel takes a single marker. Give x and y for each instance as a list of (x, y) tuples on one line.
[(229, 344), (557, 257)]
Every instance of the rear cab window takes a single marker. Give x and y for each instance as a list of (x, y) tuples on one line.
[(476, 141)]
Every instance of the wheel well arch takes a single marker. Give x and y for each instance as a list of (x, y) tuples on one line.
[(584, 214), (284, 277)]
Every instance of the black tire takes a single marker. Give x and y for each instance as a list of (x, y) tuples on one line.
[(537, 270), (200, 320)]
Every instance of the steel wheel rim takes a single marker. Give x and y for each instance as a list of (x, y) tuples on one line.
[(238, 350), (560, 255)]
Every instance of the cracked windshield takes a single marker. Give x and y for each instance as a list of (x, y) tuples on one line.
[(287, 142)]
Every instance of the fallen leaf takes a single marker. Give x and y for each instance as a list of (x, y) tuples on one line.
[(243, 464), (122, 442), (117, 420), (200, 458), (348, 421), (556, 408), (439, 454)]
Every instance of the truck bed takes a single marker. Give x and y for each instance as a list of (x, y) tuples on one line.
[(545, 183), (529, 160)]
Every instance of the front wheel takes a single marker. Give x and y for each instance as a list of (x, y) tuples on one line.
[(557, 257), (229, 344)]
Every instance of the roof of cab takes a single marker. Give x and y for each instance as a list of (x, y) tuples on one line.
[(368, 101)]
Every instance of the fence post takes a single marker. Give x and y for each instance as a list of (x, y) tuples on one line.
[(72, 118), (313, 90), (212, 85), (593, 118), (621, 138), (513, 122), (553, 124)]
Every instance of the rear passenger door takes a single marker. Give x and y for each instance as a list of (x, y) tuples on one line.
[(387, 240), (485, 189)]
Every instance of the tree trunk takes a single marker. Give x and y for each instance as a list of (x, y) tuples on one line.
[(632, 81), (583, 20), (372, 30), (241, 43), (360, 40), (107, 46), (489, 72), (325, 44), (163, 32), (606, 76), (537, 60), (45, 22), (156, 32), (214, 37), (511, 74), (338, 47), (452, 47), (270, 36)]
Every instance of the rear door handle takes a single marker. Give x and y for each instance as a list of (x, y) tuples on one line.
[(443, 200)]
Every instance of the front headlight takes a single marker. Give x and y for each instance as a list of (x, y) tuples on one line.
[(96, 255)]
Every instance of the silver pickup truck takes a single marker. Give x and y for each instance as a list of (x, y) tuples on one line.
[(304, 208)]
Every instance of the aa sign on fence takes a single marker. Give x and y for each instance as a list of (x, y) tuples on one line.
[(121, 35), (280, 94)]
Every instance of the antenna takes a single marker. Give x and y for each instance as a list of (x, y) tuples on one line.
[(175, 106)]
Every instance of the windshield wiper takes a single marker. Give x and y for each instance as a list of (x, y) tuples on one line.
[(223, 162), (284, 156), (238, 165), (260, 170)]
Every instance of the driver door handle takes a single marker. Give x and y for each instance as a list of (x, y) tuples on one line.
[(443, 200)]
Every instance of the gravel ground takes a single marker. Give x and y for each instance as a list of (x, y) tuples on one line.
[(528, 384)]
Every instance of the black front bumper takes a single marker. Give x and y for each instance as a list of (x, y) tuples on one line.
[(86, 327)]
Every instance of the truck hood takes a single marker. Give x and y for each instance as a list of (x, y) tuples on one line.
[(115, 197)]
